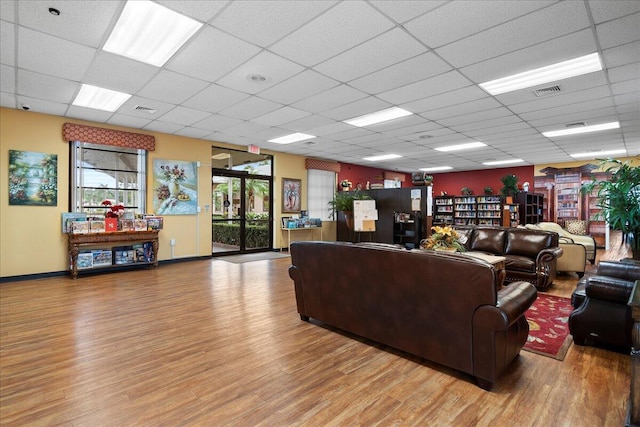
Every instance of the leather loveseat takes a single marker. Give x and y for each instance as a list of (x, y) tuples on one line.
[(601, 313), (442, 307), (530, 254)]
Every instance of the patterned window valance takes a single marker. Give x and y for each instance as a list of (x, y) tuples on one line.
[(94, 135), (323, 165)]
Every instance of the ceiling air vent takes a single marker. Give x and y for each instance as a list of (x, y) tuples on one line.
[(547, 91), (145, 109), (575, 125)]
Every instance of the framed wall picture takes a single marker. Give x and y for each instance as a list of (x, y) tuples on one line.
[(291, 195), (175, 186), (33, 178)]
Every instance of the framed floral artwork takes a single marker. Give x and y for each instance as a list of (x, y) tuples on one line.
[(175, 187), (291, 195), (33, 178)]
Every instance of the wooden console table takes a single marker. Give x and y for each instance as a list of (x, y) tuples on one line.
[(289, 230), (76, 241), (633, 415)]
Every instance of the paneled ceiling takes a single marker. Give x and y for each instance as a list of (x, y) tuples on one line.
[(328, 61)]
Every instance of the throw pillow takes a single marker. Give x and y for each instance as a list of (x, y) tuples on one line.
[(578, 227)]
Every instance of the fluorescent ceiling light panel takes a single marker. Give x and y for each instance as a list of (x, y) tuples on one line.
[(382, 157), (378, 117), (551, 73), (503, 162), (100, 98), (436, 168), (294, 137), (149, 32), (599, 154), (466, 146), (584, 129)]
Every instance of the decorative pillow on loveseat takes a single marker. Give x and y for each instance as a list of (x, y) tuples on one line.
[(577, 226)]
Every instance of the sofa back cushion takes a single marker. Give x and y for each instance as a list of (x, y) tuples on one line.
[(488, 240), (529, 242)]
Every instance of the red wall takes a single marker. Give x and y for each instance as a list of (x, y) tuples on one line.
[(450, 182)]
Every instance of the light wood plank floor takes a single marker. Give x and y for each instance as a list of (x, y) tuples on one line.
[(214, 343)]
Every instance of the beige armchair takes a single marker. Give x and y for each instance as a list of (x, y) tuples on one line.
[(565, 237)]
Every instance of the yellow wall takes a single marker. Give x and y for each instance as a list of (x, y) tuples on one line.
[(31, 241), (633, 161)]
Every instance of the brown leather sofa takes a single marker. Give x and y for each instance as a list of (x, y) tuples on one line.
[(531, 255), (601, 313), (439, 306)]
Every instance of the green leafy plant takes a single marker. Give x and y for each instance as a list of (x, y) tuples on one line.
[(343, 201), (466, 191), (488, 191), (619, 199), (510, 187)]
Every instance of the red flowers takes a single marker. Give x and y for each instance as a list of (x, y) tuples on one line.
[(116, 211)]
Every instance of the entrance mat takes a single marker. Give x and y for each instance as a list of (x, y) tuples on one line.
[(548, 320)]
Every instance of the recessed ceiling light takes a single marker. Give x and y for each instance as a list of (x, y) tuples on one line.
[(584, 129), (551, 73), (54, 11), (503, 162), (100, 98), (258, 78), (378, 117), (466, 146), (382, 157), (294, 137), (149, 32), (436, 168), (598, 154)]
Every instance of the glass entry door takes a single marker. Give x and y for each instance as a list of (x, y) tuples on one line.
[(241, 213)]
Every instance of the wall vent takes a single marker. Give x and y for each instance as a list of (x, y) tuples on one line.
[(575, 125), (145, 109), (547, 91)]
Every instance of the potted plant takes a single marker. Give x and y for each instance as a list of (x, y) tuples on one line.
[(466, 191), (488, 191), (444, 239), (343, 202), (510, 187), (619, 200)]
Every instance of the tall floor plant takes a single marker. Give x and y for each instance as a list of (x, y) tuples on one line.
[(619, 199)]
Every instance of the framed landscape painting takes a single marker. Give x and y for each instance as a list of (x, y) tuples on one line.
[(291, 195), (33, 178)]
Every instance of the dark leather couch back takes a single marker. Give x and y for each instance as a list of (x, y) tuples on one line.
[(529, 243)]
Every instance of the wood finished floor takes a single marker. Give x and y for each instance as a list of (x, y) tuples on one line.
[(214, 343)]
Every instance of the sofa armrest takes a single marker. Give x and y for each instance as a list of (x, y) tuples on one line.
[(515, 299), (564, 239), (608, 288), (628, 270), (548, 255)]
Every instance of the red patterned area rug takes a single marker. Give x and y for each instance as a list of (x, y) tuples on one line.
[(548, 319)]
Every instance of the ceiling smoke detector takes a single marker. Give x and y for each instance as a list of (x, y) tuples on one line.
[(547, 91), (145, 109)]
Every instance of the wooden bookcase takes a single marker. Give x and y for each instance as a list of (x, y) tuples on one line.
[(489, 210), (531, 207), (407, 229), (464, 210), (107, 241), (443, 210)]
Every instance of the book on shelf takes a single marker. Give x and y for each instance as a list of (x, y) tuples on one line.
[(123, 255), (149, 255), (96, 226), (85, 260), (154, 222), (140, 225), (79, 227), (101, 257), (127, 225), (68, 217)]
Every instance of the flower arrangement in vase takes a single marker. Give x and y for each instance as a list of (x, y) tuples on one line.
[(443, 239), (173, 176)]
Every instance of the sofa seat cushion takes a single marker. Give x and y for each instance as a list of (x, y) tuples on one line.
[(520, 263), (488, 240)]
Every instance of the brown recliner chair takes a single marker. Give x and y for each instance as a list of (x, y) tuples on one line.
[(601, 313)]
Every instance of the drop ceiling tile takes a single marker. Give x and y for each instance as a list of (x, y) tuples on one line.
[(539, 55), (357, 108), (202, 11), (8, 11), (475, 117), (89, 114), (211, 54), (624, 72), (340, 28), (116, 72), (250, 108), (329, 129), (129, 121), (215, 98), (409, 71), (163, 127), (129, 107), (47, 88), (280, 116), (554, 21), (571, 109), (171, 87), (620, 31), (511, 131), (7, 79), (245, 129), (275, 68), (621, 55), (184, 116), (53, 56), (7, 43), (486, 124), (217, 123), (626, 98), (38, 105), (571, 99), (413, 132), (81, 22), (629, 86), (263, 23), (405, 10), (607, 10), (582, 116), (458, 96), (380, 52), (435, 29), (191, 132), (429, 87), (461, 109), (306, 123), (350, 133), (332, 98), (298, 87)]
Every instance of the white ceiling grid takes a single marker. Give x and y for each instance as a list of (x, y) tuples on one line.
[(328, 61)]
